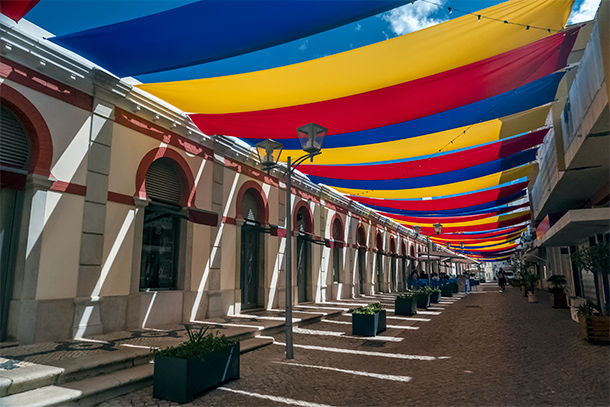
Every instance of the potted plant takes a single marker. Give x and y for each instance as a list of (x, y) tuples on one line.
[(368, 320), (531, 282), (423, 297), (557, 289), (405, 304), (596, 259), (435, 295), (447, 290), (454, 287), (203, 361), (595, 326)]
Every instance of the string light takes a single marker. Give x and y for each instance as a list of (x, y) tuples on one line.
[(527, 27)]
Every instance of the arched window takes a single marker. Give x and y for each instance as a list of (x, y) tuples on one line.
[(161, 232), (251, 209), (15, 151)]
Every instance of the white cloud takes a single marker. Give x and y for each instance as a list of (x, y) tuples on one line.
[(584, 12), (413, 17)]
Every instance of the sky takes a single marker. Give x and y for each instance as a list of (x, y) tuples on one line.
[(67, 16)]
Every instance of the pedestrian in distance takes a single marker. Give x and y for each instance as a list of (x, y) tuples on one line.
[(502, 279)]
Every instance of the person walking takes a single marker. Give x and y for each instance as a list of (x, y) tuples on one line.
[(502, 279)]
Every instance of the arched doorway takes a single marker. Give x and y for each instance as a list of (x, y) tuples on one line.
[(251, 259), (361, 238), (403, 258), (304, 225), (394, 286), (337, 249), (14, 158), (165, 187), (379, 266)]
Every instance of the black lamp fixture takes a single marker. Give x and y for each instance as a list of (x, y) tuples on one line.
[(311, 136)]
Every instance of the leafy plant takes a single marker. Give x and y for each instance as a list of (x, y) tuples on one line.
[(435, 290), (558, 283), (423, 291), (593, 258), (531, 281), (368, 309), (406, 295), (588, 309), (197, 343)]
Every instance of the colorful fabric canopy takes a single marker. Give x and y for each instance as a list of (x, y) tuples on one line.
[(16, 9), (398, 60), (493, 196), (427, 166), (461, 187), (201, 32), (453, 219), (402, 102), (481, 227), (449, 226), (442, 178), (537, 93), (445, 141)]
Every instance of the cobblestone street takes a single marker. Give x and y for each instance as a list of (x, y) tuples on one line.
[(485, 349)]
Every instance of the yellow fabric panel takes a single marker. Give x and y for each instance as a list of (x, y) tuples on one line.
[(491, 219), (440, 48), (456, 244), (475, 134), (455, 188)]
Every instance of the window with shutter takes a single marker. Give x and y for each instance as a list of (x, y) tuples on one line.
[(163, 182), (249, 206), (14, 140)]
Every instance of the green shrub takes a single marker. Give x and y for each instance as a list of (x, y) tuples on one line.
[(368, 309), (198, 343), (588, 309), (406, 295)]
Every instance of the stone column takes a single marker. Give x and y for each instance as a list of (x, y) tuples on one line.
[(214, 307), (87, 314)]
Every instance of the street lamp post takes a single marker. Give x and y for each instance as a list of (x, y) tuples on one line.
[(311, 137)]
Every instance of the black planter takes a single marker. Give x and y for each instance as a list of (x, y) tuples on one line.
[(559, 300), (405, 306), (368, 324), (180, 379), (423, 301), (435, 297), (454, 287), (446, 291)]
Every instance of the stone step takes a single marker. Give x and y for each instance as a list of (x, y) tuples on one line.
[(87, 392), (254, 343)]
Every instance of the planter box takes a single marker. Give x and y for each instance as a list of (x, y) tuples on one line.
[(559, 300), (423, 301), (532, 297), (405, 307), (596, 328), (435, 297), (446, 291), (368, 324), (454, 287), (180, 379)]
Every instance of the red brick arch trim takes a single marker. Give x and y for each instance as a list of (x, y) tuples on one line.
[(41, 143), (337, 217), (308, 221), (261, 198), (182, 168)]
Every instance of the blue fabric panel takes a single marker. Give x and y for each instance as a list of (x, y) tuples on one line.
[(444, 178), (525, 97), (210, 30)]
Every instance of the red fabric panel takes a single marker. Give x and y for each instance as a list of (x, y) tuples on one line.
[(429, 166), (491, 249), (402, 102), (429, 205), (453, 219), (16, 9), (456, 242), (484, 226)]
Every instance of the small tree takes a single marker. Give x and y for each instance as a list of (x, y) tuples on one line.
[(596, 259)]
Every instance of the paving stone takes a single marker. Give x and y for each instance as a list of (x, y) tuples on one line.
[(486, 349)]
